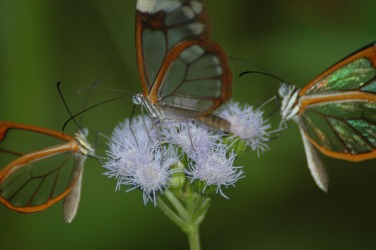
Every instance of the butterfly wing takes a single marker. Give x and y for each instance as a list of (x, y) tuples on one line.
[(33, 181), (71, 201), (338, 109), (180, 69), (354, 73), (317, 169)]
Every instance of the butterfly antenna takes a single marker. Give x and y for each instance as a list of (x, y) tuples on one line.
[(106, 89), (261, 70), (234, 58), (276, 97), (89, 108), (66, 106), (86, 99), (261, 73)]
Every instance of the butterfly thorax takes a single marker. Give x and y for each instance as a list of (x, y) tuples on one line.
[(290, 101), (153, 109), (159, 111), (85, 149)]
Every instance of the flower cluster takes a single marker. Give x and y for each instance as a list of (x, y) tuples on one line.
[(246, 124), (137, 159), (146, 155)]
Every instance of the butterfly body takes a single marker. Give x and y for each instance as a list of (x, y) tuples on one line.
[(290, 102), (336, 112)]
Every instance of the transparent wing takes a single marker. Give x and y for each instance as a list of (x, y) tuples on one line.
[(32, 185), (192, 79), (71, 202), (315, 166), (180, 69), (344, 129), (356, 72), (32, 180), (161, 25)]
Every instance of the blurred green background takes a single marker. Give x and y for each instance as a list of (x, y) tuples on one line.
[(277, 205)]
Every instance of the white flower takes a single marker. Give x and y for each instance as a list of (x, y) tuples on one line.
[(247, 124), (215, 168), (191, 136), (150, 172), (137, 159)]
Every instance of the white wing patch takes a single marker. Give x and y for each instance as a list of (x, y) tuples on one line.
[(192, 53), (153, 6), (188, 12), (193, 10), (197, 28), (197, 7)]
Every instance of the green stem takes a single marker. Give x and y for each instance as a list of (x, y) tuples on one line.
[(179, 207), (194, 237), (170, 213), (187, 213)]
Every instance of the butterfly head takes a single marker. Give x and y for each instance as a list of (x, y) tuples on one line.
[(285, 90), (138, 99)]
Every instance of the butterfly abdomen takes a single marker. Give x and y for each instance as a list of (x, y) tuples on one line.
[(215, 122)]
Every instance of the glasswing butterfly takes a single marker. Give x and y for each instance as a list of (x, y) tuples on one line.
[(336, 112), (183, 73), (33, 181)]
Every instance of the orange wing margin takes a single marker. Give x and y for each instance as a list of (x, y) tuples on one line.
[(343, 97), (211, 47), (343, 156), (71, 145)]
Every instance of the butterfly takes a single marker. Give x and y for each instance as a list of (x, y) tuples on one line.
[(182, 72), (33, 181), (336, 112)]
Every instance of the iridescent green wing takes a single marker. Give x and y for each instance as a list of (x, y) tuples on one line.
[(344, 128), (180, 69), (338, 108), (355, 72)]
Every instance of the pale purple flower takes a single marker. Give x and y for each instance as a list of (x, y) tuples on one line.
[(215, 168), (150, 172), (137, 159), (247, 124), (191, 136)]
